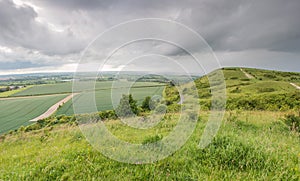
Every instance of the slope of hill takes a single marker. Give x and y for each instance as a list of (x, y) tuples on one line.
[(267, 90), (249, 146), (253, 143)]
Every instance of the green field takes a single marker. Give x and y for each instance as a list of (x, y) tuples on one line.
[(249, 146), (17, 112), (46, 89), (104, 99), (67, 87)]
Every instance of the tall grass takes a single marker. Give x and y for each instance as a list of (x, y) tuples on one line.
[(249, 146)]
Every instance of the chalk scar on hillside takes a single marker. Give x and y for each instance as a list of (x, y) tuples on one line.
[(247, 75), (53, 108), (296, 86)]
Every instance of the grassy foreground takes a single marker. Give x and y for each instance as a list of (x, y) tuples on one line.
[(249, 146)]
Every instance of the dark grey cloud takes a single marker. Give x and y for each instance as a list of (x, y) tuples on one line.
[(226, 24), (268, 24), (60, 29), (19, 27)]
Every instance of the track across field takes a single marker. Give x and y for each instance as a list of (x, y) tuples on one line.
[(107, 97), (17, 112)]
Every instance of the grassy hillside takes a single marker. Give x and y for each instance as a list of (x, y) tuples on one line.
[(249, 146), (256, 141), (267, 90)]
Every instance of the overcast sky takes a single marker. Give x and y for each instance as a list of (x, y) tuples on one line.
[(48, 36)]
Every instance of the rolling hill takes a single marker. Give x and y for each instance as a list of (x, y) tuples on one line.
[(254, 141)]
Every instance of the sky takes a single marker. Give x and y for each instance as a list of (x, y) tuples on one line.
[(53, 36)]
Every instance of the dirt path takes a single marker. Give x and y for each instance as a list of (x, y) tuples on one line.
[(247, 75), (296, 86), (53, 108), (181, 99)]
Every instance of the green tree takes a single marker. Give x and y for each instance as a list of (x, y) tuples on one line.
[(146, 104), (127, 106)]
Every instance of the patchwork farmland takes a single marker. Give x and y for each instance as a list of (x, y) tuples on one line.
[(105, 99), (18, 108)]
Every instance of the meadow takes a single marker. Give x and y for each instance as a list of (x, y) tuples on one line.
[(249, 146), (18, 111)]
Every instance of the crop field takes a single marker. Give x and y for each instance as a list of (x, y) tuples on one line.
[(67, 87), (104, 98), (46, 89), (17, 112)]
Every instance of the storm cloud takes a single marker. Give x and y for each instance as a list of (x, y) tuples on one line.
[(251, 33)]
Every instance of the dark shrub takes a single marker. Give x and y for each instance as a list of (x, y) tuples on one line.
[(293, 122), (127, 106), (110, 114), (270, 76), (267, 89), (152, 139)]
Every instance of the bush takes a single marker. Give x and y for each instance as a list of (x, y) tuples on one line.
[(161, 109), (270, 102), (245, 79), (293, 122), (171, 95), (149, 104), (270, 76), (110, 114), (146, 104), (21, 129), (267, 89), (236, 90), (32, 127), (127, 106), (173, 108), (152, 139)]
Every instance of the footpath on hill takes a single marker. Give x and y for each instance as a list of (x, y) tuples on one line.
[(296, 86), (246, 74)]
